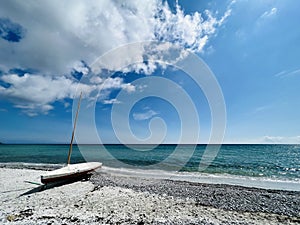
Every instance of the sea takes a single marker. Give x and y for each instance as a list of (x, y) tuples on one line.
[(271, 166)]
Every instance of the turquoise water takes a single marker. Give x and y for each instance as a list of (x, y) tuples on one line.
[(271, 161)]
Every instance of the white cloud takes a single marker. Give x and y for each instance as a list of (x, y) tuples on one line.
[(280, 140), (81, 68), (261, 109), (35, 93), (281, 74), (35, 108), (144, 116), (66, 104), (111, 101), (190, 31), (96, 80), (115, 83), (269, 13), (61, 35), (265, 18), (287, 73)]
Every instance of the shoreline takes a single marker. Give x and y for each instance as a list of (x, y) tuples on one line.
[(108, 198), (267, 183), (221, 196)]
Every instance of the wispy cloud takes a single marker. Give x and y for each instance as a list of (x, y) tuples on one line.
[(280, 74), (144, 116), (287, 73), (261, 109), (66, 104), (266, 17), (269, 13)]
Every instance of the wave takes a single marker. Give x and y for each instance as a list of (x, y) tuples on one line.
[(33, 166), (197, 177)]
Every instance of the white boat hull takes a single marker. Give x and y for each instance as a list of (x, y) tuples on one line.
[(69, 172)]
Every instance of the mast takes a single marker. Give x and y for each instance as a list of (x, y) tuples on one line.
[(73, 133)]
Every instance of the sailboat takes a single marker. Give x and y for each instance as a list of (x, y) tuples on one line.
[(71, 171)]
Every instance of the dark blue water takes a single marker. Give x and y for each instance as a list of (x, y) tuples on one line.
[(277, 161)]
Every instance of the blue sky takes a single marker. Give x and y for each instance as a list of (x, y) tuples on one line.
[(47, 50)]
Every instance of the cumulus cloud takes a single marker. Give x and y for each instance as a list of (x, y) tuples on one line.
[(34, 93), (64, 37), (115, 83), (80, 67), (111, 101), (63, 32), (145, 115)]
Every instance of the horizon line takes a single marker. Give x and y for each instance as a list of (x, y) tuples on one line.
[(37, 143)]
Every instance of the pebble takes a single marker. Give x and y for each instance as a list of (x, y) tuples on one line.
[(108, 199), (215, 195)]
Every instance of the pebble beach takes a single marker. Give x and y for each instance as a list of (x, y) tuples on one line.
[(112, 199)]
